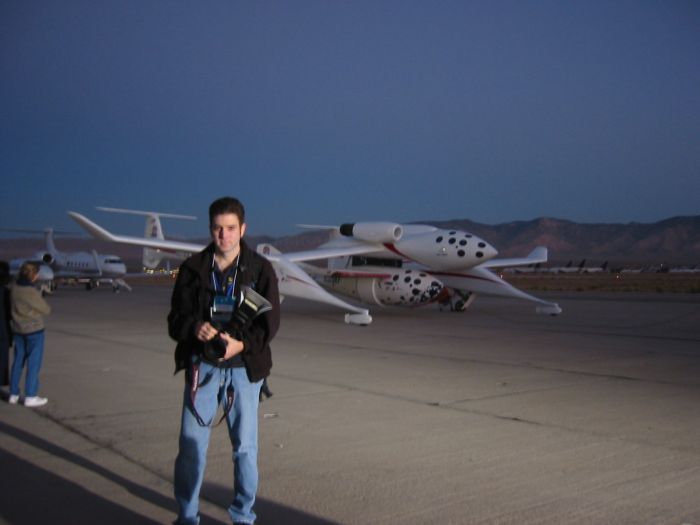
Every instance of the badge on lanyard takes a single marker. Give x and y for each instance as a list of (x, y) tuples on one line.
[(223, 305)]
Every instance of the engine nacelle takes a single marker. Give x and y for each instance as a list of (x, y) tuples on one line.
[(382, 232), (446, 249), (47, 258), (407, 288), (401, 288)]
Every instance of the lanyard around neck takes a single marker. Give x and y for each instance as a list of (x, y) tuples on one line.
[(232, 286)]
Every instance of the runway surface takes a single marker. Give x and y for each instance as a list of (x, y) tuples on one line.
[(496, 415)]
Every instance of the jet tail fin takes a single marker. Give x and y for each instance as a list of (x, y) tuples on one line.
[(153, 230), (268, 250), (151, 258), (50, 246)]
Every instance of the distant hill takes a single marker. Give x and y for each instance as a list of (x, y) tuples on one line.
[(673, 241)]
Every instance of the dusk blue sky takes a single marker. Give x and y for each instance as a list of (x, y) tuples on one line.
[(336, 111)]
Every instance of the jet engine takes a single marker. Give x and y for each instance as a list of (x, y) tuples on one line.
[(382, 232), (47, 258)]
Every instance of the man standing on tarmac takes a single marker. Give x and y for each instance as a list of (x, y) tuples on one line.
[(225, 361)]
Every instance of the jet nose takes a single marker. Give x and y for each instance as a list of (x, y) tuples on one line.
[(45, 273), (485, 251)]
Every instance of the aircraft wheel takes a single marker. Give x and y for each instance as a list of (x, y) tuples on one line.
[(460, 306)]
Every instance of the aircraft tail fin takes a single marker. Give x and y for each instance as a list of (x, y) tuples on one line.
[(50, 246), (151, 258), (153, 230), (268, 250)]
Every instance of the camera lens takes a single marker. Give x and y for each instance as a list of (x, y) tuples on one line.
[(215, 349)]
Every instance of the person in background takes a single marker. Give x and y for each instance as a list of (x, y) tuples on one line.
[(5, 331), (27, 307)]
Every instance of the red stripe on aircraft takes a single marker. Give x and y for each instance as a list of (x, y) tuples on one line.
[(452, 274), (361, 274), (392, 248)]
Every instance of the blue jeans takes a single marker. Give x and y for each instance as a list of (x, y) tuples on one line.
[(29, 351), (242, 422)]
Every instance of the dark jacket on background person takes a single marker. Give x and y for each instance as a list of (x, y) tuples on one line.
[(193, 294), (5, 314), (5, 334)]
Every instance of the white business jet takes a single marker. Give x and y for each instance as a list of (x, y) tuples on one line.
[(89, 268), (379, 263), (569, 268)]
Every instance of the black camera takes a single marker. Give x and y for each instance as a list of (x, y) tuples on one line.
[(250, 305), (214, 349)]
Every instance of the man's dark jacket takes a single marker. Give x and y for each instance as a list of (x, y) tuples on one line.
[(192, 297)]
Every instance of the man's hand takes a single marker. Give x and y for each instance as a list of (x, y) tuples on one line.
[(204, 331), (233, 346)]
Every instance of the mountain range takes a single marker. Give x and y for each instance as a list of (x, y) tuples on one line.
[(673, 241)]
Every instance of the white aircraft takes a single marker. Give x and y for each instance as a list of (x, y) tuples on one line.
[(603, 268), (569, 268), (685, 269), (530, 268), (89, 268), (379, 263)]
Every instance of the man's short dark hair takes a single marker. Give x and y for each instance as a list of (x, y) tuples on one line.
[(226, 205)]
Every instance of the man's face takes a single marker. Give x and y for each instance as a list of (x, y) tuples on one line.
[(226, 232)]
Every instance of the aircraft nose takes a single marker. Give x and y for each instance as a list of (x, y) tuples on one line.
[(45, 273), (485, 251)]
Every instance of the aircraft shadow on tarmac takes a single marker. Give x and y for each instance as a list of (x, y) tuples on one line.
[(31, 494)]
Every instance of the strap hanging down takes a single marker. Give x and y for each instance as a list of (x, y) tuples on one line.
[(194, 386)]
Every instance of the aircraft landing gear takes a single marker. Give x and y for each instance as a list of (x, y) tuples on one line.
[(361, 319), (118, 284), (549, 309), (464, 301)]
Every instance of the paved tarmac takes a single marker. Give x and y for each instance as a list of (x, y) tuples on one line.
[(496, 415)]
